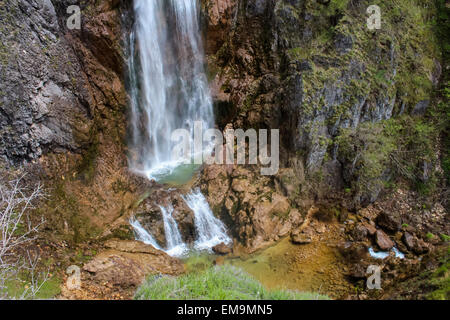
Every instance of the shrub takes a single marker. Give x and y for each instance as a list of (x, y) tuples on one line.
[(16, 232), (440, 281)]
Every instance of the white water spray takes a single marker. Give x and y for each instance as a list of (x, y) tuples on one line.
[(174, 242), (143, 235), (169, 91), (169, 88), (210, 230)]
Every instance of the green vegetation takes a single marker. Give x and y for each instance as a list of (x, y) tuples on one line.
[(407, 35), (440, 280), (442, 112), (15, 288), (397, 64), (399, 147), (368, 149), (63, 210), (197, 262), (216, 283)]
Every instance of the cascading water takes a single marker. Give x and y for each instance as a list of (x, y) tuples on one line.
[(175, 244), (169, 91), (210, 230), (169, 88), (143, 235)]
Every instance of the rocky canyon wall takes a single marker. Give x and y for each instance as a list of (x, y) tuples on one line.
[(312, 69), (336, 90), (63, 108)]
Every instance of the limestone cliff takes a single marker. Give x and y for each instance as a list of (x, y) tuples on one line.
[(343, 96), (62, 108), (349, 103)]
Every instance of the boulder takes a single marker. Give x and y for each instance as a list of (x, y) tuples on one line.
[(389, 221), (353, 251), (221, 249), (370, 229), (383, 241), (360, 233), (301, 238), (415, 244), (127, 263), (409, 240)]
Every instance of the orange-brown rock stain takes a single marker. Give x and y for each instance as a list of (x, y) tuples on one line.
[(316, 267)]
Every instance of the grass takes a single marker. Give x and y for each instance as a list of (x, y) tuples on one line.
[(216, 283), (51, 288), (440, 280)]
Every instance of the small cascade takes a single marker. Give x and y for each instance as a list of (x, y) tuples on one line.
[(385, 254), (174, 243), (143, 235), (210, 230)]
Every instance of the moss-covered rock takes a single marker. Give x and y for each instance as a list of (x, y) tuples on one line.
[(316, 71)]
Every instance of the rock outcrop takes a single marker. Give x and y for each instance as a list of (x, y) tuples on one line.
[(62, 109), (150, 215), (305, 67), (44, 91), (56, 82), (127, 263), (256, 214)]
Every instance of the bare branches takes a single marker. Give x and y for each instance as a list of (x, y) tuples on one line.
[(16, 230)]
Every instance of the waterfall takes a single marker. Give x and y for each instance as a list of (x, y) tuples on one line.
[(169, 88), (210, 230), (143, 235), (174, 243), (169, 91)]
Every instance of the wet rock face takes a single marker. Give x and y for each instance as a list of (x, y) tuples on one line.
[(54, 82), (217, 16), (150, 215), (43, 104), (255, 214), (279, 66)]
